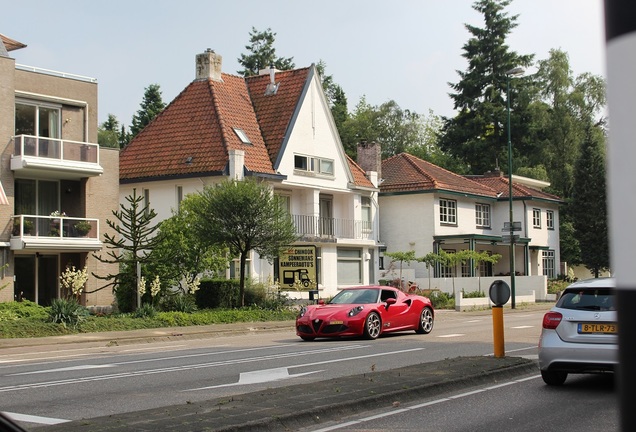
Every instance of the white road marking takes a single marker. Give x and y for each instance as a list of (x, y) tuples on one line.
[(422, 405), (66, 369), (474, 321), (451, 335), (34, 419), (523, 327), (258, 377)]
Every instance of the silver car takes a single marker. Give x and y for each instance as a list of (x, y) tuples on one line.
[(579, 333)]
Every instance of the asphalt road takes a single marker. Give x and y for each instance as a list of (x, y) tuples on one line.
[(53, 383)]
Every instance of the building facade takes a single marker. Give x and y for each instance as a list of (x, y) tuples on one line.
[(60, 186)]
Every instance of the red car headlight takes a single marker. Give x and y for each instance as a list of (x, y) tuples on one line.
[(355, 311)]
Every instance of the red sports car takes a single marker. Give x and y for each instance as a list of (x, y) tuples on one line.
[(366, 311)]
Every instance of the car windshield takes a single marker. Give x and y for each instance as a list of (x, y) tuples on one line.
[(357, 296), (597, 299)]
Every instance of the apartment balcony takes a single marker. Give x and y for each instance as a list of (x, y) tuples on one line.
[(314, 228), (59, 233), (49, 157)]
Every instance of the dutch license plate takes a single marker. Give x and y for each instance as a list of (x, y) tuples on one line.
[(597, 328), (336, 322)]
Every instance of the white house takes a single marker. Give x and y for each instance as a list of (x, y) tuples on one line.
[(426, 208), (276, 127)]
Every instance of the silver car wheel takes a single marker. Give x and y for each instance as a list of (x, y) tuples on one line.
[(425, 324), (372, 326)]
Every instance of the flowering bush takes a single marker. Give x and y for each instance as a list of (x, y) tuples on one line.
[(57, 213), (73, 280)]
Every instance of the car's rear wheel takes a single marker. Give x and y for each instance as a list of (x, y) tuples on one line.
[(554, 378), (425, 324), (372, 326), (307, 338)]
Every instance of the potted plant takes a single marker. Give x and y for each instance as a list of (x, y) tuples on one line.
[(83, 227), (27, 229)]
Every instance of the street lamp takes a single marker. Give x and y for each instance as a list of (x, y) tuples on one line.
[(511, 73)]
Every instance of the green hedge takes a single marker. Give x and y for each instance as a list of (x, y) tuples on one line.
[(218, 293)]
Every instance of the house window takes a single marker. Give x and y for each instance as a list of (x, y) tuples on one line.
[(448, 211), (349, 266), (242, 136), (444, 270), (536, 218), (485, 268), (549, 219), (548, 264), (482, 215), (365, 205), (37, 119), (312, 164)]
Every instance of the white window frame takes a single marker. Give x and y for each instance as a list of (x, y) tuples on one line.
[(549, 219), (548, 260), (345, 260), (317, 165), (536, 218), (36, 124), (482, 215), (447, 211)]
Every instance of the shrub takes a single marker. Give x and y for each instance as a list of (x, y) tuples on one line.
[(178, 303), (67, 312), (439, 299), (474, 294), (146, 310), (556, 286), (217, 293), (10, 311)]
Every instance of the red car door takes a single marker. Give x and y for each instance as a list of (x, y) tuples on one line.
[(396, 315)]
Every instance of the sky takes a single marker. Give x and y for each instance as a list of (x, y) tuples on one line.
[(402, 50)]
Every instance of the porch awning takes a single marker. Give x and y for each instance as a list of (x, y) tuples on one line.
[(477, 238)]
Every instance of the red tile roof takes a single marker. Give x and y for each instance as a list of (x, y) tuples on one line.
[(407, 173), (193, 134), (500, 184), (359, 176), (11, 44), (275, 111)]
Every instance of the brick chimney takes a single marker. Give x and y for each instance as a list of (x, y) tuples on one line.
[(208, 65), (369, 157)]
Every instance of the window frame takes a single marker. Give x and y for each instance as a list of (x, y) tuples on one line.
[(482, 215), (548, 261), (549, 219), (342, 259), (536, 218), (448, 211)]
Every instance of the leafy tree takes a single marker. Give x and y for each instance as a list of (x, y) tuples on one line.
[(476, 134), (262, 54), (388, 124), (107, 132), (132, 243), (244, 216), (401, 257), (182, 256), (150, 107), (589, 203)]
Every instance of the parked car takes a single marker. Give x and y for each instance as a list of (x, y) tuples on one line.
[(366, 311), (579, 333)]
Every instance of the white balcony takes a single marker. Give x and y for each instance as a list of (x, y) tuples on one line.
[(55, 233), (312, 228), (49, 157)]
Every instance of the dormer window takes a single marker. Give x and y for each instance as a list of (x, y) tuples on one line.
[(242, 136), (313, 164)]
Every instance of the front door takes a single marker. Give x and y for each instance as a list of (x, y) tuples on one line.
[(36, 278)]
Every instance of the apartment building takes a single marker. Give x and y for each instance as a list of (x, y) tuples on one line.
[(58, 185)]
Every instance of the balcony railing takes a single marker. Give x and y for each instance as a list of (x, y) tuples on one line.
[(41, 153), (330, 228), (61, 228)]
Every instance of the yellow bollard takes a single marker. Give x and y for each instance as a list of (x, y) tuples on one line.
[(498, 331)]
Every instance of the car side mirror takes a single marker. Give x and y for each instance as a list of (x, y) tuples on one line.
[(321, 302), (390, 301)]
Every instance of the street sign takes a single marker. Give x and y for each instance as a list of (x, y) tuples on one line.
[(507, 238), (516, 226)]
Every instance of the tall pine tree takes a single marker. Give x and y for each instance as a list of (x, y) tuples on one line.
[(150, 107), (262, 54), (589, 203), (477, 134)]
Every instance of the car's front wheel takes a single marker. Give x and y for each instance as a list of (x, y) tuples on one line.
[(372, 326), (425, 324), (554, 378)]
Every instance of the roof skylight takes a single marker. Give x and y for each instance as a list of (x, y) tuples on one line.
[(242, 136)]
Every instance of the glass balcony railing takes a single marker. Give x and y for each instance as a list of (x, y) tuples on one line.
[(331, 228), (55, 227), (58, 149)]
